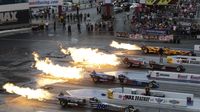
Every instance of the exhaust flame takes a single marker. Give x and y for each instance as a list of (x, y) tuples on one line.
[(55, 70), (64, 51), (48, 81), (124, 46), (93, 57), (38, 94)]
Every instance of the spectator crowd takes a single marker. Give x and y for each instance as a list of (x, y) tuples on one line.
[(176, 19)]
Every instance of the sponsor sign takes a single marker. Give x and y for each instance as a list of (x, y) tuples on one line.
[(155, 32), (14, 19), (174, 101), (182, 76), (42, 3), (197, 48), (163, 38), (122, 34), (150, 99), (189, 60), (6, 17), (142, 1), (198, 36), (108, 1), (159, 100), (175, 76), (185, 23), (137, 98), (136, 36), (193, 77)]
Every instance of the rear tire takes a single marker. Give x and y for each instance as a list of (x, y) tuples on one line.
[(136, 110), (129, 65), (113, 78), (95, 79), (146, 51), (153, 81)]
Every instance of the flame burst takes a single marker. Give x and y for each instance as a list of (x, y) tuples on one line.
[(38, 94), (43, 81), (92, 57), (124, 46), (55, 70)]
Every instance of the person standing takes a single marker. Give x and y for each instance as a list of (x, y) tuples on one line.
[(97, 10), (68, 18), (69, 29), (54, 25), (79, 27), (85, 16), (161, 51), (81, 17), (64, 24), (47, 25), (91, 27)]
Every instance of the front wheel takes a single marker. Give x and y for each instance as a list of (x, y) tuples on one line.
[(151, 66), (190, 54), (130, 108), (63, 103), (178, 69)]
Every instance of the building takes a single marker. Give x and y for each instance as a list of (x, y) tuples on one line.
[(14, 15)]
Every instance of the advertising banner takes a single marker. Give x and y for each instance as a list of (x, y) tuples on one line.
[(163, 38), (197, 48), (186, 60), (154, 32), (150, 99), (14, 19), (175, 76), (43, 3), (121, 34)]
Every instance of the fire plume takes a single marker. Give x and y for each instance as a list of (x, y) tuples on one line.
[(55, 70), (29, 93), (92, 57), (124, 46)]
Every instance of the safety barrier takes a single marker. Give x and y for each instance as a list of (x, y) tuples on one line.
[(184, 77), (187, 60)]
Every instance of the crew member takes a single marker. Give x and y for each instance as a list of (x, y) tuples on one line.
[(69, 29), (79, 27), (147, 91), (47, 25), (54, 25), (161, 54)]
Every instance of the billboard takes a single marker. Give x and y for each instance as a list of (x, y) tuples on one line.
[(43, 3), (14, 19)]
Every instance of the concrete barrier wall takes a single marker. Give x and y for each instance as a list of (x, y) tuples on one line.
[(150, 99), (175, 76)]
